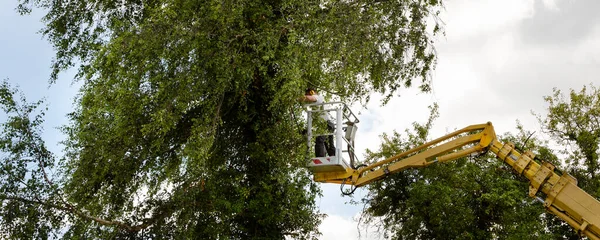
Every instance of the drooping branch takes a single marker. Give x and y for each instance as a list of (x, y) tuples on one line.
[(71, 209)]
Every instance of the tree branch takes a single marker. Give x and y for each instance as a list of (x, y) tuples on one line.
[(71, 209)]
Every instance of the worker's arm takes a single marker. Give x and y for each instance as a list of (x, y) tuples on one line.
[(563, 197), (308, 98)]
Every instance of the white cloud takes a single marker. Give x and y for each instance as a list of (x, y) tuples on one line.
[(551, 4), (499, 51), (466, 18), (588, 51), (336, 227)]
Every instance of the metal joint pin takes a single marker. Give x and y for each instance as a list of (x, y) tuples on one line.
[(539, 199)]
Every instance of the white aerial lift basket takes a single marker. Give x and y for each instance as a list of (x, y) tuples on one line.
[(343, 136)]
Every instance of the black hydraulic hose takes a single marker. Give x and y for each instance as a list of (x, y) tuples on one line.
[(352, 188)]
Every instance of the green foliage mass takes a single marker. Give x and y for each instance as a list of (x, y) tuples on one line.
[(468, 198), (27, 199), (186, 125), (575, 124), (482, 198)]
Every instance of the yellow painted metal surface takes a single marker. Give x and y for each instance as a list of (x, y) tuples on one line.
[(562, 196)]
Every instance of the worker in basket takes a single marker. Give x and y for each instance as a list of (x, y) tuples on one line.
[(324, 144)]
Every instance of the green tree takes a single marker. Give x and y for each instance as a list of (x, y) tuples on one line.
[(574, 123), (28, 197), (482, 198), (468, 198), (186, 124)]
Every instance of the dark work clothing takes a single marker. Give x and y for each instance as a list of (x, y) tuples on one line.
[(324, 144)]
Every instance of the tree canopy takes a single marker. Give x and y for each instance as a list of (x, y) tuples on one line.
[(574, 123), (481, 197), (187, 120)]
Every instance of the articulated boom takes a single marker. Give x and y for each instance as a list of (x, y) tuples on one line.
[(562, 196)]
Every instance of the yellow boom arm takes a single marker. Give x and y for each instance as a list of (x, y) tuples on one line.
[(562, 196)]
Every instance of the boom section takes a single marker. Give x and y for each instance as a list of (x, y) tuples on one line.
[(561, 195)]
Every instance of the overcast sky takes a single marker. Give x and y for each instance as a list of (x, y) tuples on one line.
[(496, 62)]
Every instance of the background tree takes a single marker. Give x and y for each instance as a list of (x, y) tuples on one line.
[(28, 198), (468, 198), (186, 122), (574, 123)]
